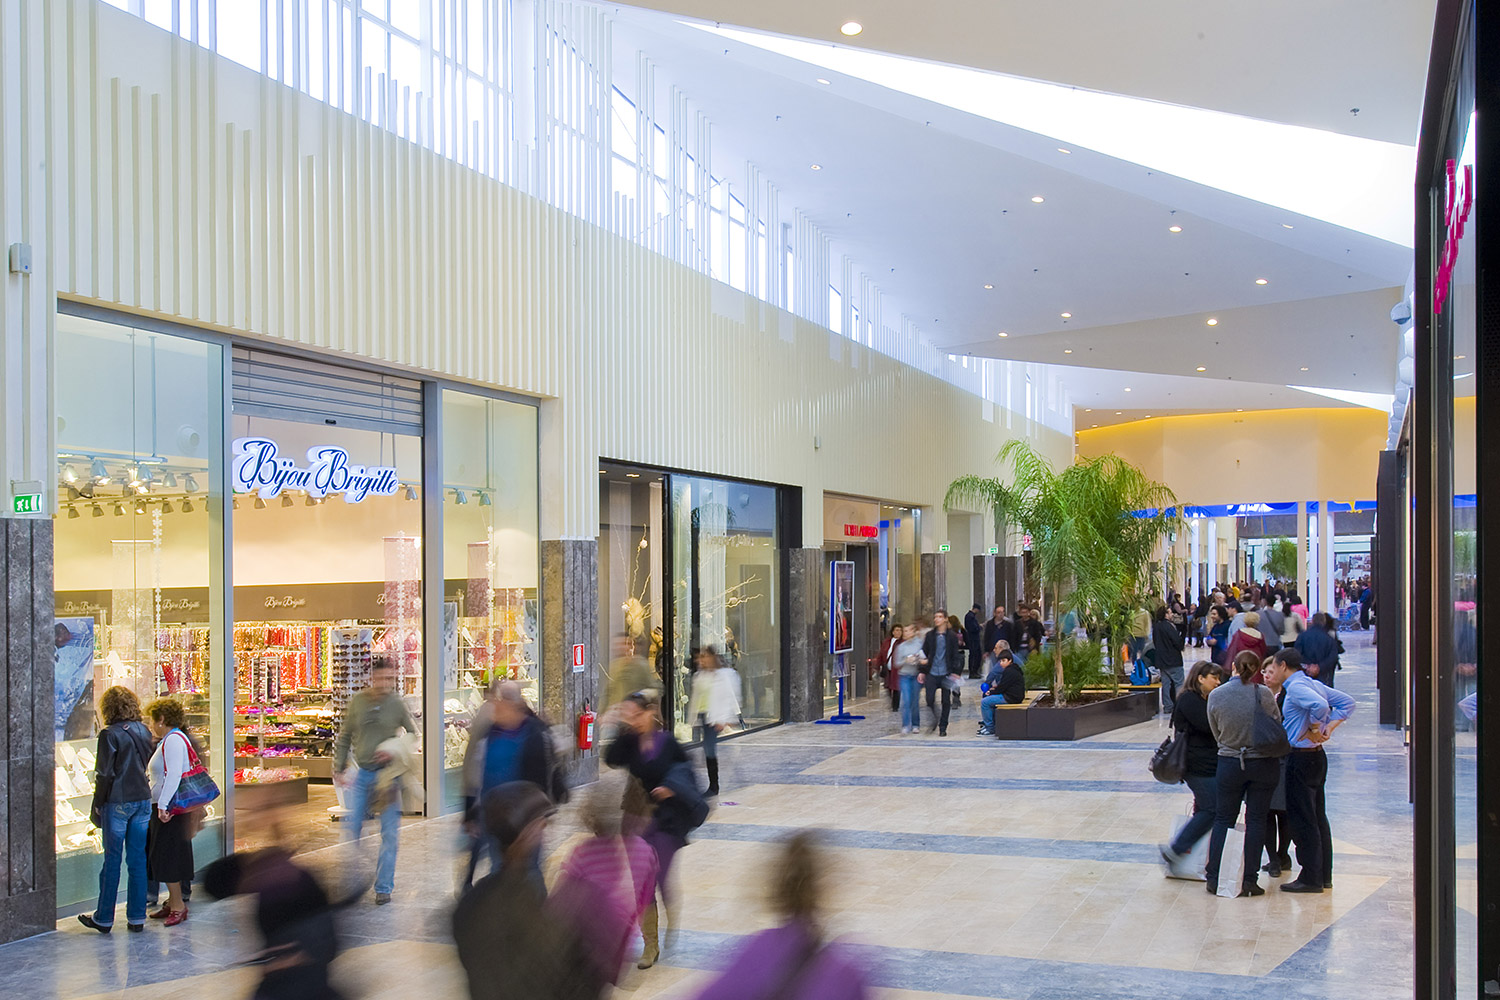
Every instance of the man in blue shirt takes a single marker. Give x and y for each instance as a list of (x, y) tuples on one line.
[(1310, 711)]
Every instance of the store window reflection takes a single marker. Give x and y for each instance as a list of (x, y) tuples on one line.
[(490, 560), (138, 557)]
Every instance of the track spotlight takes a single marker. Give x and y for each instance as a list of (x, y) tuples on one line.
[(73, 493), (286, 500), (460, 497), (187, 505), (119, 510), (72, 512), (189, 483), (140, 506), (411, 492), (69, 474), (98, 511), (99, 473), (484, 498), (166, 507), (169, 480), (260, 503), (310, 502)]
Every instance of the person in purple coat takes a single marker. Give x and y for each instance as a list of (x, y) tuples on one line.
[(794, 961)]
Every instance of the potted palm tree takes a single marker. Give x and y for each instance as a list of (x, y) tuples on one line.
[(1094, 526)]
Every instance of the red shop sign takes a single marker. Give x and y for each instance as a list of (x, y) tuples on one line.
[(1460, 201), (861, 531)]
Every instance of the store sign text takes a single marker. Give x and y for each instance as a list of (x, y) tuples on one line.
[(1456, 216), (259, 468), (861, 531)]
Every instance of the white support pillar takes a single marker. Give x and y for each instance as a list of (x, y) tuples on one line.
[(1193, 588), (1303, 566), (1213, 552), (1325, 558)]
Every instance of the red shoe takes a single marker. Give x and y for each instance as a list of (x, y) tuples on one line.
[(176, 917), (163, 913)]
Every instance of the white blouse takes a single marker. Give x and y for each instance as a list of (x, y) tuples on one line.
[(166, 767)]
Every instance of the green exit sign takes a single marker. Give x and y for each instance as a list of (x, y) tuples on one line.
[(994, 550), (26, 503), (944, 547)]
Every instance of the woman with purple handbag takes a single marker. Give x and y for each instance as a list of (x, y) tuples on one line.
[(180, 788)]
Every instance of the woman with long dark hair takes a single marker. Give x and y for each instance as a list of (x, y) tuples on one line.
[(890, 671), (1190, 717)]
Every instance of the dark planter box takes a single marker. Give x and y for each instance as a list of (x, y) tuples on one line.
[(1075, 722)]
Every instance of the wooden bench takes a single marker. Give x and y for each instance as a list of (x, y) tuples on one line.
[(1010, 720)]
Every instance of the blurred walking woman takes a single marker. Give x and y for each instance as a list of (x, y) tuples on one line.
[(1190, 716), (121, 809), (1249, 765), (890, 671), (169, 841)]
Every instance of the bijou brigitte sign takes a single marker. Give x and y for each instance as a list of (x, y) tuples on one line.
[(259, 468)]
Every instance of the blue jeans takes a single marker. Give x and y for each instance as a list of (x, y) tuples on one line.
[(390, 826), (1205, 789), (910, 709), (987, 708), (124, 835), (1020, 655)]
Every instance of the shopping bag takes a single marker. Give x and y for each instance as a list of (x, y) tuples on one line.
[(1232, 864), (1197, 858)]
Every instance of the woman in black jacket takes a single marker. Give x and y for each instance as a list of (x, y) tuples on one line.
[(655, 759), (121, 808), (1167, 642), (1190, 716)]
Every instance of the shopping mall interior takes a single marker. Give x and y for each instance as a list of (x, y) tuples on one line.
[(374, 367)]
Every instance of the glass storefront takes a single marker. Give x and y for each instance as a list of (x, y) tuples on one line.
[(139, 557), (687, 562), (324, 472), (880, 539)]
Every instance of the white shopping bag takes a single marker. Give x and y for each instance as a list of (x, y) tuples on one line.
[(1232, 864), (1197, 858)]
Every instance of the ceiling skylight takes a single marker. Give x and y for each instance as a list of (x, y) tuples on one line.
[(1374, 400), (1360, 184)]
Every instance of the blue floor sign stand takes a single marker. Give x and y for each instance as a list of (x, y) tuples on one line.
[(841, 717)]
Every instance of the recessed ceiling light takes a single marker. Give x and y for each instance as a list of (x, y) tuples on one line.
[(1038, 199), (1004, 334), (817, 166), (988, 286), (1147, 417), (1061, 150), (601, 472), (1459, 357), (1240, 410), (1089, 410), (1067, 350), (1174, 229), (1127, 388), (1304, 369), (1067, 315), (1212, 321), (1285, 226), (1118, 412), (1202, 369), (1260, 281), (1093, 425), (851, 28), (824, 82), (632, 475)]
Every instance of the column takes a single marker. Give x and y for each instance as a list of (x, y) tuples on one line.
[(570, 609), (1303, 566), (1325, 558), (933, 589), (1195, 585), (1213, 553), (805, 642)]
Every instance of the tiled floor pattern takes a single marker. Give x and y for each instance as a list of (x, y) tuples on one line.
[(959, 867)]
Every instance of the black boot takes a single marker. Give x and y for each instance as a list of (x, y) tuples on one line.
[(713, 777)]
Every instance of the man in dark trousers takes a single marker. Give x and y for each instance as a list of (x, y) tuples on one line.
[(972, 639), (944, 661), (1007, 686), (998, 629)]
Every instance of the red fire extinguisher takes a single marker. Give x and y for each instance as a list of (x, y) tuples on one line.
[(586, 728)]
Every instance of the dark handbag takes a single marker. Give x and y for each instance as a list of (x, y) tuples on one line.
[(1169, 762), (1267, 737)]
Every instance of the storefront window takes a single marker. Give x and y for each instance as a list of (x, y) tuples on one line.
[(326, 577), (138, 557), (490, 560), (632, 614), (725, 585)]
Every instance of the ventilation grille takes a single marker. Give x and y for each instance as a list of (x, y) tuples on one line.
[(312, 392)]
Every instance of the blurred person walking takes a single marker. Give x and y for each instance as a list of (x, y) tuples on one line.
[(1248, 766), (169, 838), (507, 742), (512, 945), (909, 662), (795, 960), (121, 809), (655, 758), (1190, 717), (890, 671), (943, 661), (374, 715), (714, 704)]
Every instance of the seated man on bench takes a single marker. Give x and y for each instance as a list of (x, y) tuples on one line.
[(1007, 686)]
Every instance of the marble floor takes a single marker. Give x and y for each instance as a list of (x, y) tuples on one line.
[(958, 867)]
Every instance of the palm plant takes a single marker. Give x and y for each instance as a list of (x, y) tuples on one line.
[(1094, 527)]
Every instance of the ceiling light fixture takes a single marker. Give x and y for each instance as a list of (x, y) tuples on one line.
[(632, 475), (119, 510), (309, 502), (140, 506), (411, 492), (1304, 369), (1089, 410), (166, 507), (286, 500), (1067, 315), (189, 483), (187, 505), (1127, 388), (169, 480), (988, 286), (484, 498), (1004, 334), (1285, 226), (99, 472), (1038, 199), (73, 512), (1201, 368), (1261, 281), (260, 503), (98, 511), (1174, 229), (460, 497), (851, 28), (1459, 357), (1061, 150), (1067, 350), (817, 166), (69, 474), (1212, 321), (824, 82)]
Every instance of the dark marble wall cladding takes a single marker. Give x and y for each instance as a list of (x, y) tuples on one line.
[(806, 637), (28, 858), (570, 607), (933, 589)]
